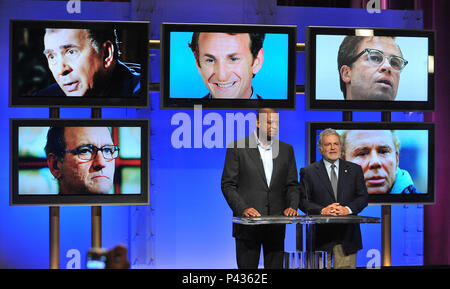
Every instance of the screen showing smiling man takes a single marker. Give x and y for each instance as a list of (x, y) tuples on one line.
[(370, 67), (227, 62)]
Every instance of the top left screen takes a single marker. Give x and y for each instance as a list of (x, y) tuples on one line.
[(78, 63)]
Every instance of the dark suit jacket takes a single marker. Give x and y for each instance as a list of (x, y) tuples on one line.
[(244, 183), (317, 193)]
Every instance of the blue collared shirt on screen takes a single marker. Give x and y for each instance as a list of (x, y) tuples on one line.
[(403, 183), (254, 95)]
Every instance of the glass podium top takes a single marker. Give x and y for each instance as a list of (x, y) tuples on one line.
[(311, 219)]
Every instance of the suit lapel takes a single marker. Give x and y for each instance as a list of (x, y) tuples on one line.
[(255, 156), (342, 178), (322, 171), (276, 159)]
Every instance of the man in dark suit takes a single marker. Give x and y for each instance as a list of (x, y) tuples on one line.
[(260, 179), (334, 187)]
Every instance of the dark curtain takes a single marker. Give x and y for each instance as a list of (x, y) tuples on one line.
[(437, 217)]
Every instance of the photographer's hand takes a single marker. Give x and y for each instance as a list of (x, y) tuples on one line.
[(117, 258)]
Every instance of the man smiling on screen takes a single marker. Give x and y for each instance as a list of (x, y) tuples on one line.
[(227, 62)]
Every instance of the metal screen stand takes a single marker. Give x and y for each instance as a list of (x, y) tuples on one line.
[(386, 235), (386, 218), (96, 211), (54, 219)]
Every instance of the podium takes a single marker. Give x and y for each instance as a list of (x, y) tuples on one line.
[(311, 258)]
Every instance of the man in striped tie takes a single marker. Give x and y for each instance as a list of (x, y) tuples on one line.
[(335, 187)]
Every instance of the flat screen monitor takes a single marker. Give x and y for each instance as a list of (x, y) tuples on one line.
[(78, 63), (398, 159), (79, 162), (370, 69), (228, 66)]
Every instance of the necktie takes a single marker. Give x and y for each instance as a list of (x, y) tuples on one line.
[(334, 180)]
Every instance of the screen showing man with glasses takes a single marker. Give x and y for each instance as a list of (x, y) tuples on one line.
[(370, 67), (81, 159)]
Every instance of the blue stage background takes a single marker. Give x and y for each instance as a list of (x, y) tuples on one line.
[(188, 223)]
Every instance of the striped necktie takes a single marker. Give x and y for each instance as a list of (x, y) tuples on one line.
[(334, 180)]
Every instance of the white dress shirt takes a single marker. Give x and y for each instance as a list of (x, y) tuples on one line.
[(266, 156), (328, 168)]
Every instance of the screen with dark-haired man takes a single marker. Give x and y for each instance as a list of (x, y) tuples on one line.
[(380, 68), (222, 65), (84, 62), (79, 160), (78, 63)]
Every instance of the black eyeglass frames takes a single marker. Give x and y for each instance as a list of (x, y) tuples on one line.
[(89, 152)]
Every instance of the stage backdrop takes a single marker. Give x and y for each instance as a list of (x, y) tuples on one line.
[(188, 223)]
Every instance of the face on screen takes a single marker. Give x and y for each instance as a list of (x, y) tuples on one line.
[(227, 65), (73, 61), (78, 176), (367, 80), (375, 152), (331, 147)]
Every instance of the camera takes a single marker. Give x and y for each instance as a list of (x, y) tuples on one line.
[(116, 258), (96, 258)]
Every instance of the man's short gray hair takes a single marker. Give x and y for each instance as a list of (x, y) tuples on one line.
[(325, 132)]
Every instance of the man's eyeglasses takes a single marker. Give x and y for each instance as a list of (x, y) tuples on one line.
[(89, 152), (376, 57)]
